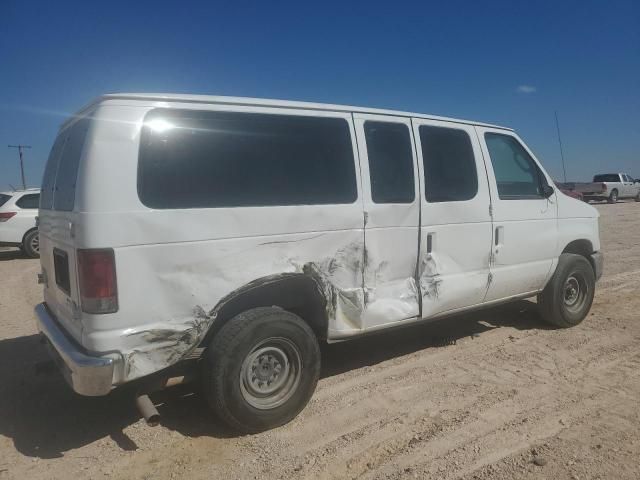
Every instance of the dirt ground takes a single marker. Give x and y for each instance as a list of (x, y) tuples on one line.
[(495, 394)]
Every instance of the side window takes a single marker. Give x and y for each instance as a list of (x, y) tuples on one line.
[(65, 189), (450, 173), (204, 159), (517, 174), (31, 200), (49, 178), (390, 162)]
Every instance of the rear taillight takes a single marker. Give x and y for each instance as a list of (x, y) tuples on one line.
[(604, 186), (97, 279), (4, 216)]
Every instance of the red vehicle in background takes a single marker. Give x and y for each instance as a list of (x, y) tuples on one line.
[(567, 191)]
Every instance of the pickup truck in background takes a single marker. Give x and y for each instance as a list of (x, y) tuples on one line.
[(608, 186)]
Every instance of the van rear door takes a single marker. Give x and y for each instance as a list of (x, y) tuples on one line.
[(57, 220)]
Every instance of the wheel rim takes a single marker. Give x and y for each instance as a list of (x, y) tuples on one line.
[(35, 243), (614, 197), (270, 373), (575, 292)]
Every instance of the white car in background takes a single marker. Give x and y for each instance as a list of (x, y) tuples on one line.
[(18, 212)]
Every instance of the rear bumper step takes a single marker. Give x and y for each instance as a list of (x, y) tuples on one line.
[(86, 374)]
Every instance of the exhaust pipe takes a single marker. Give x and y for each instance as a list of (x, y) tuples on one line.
[(148, 410)]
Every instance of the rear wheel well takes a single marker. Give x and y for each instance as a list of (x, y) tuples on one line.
[(296, 293), (27, 233), (581, 247)]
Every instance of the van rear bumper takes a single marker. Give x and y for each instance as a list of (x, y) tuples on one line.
[(86, 374)]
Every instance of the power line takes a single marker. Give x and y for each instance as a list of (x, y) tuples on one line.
[(20, 148)]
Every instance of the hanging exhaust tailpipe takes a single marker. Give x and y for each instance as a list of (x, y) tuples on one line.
[(148, 410)]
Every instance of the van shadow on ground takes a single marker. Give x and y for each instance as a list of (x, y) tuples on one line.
[(45, 419)]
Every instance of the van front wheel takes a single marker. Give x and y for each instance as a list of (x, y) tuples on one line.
[(567, 298), (261, 369)]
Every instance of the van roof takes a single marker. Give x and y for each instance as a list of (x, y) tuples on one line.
[(184, 98)]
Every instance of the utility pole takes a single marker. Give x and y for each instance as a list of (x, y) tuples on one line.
[(20, 148), (564, 171)]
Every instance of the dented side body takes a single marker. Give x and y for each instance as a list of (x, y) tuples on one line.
[(178, 268)]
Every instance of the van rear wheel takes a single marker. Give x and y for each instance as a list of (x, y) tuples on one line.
[(567, 298), (261, 369)]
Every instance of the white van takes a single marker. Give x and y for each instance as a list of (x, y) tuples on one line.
[(228, 237)]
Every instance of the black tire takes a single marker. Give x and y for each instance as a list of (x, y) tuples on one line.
[(250, 343), (567, 298), (31, 244), (613, 196), (637, 198)]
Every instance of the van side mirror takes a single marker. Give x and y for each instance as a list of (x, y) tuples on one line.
[(547, 191)]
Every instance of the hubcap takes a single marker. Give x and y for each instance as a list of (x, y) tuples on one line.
[(575, 292), (270, 373), (571, 291)]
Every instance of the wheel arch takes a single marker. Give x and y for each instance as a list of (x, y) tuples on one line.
[(295, 292), (27, 233), (583, 247)]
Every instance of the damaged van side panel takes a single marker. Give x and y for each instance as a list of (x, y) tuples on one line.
[(174, 266), (201, 257), (191, 282)]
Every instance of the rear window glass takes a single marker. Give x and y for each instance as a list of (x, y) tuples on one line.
[(4, 198), (61, 172), (30, 200), (608, 177), (198, 159)]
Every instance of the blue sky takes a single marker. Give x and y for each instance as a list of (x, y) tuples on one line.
[(506, 62)]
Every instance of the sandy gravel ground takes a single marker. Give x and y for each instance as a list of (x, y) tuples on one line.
[(495, 394)]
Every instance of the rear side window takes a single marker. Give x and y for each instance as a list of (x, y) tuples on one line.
[(65, 192), (517, 175), (4, 198), (61, 172), (607, 177), (450, 173), (31, 200), (198, 159), (49, 178)]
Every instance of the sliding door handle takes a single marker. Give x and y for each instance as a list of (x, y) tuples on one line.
[(498, 238)]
